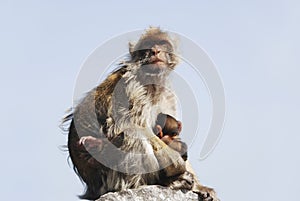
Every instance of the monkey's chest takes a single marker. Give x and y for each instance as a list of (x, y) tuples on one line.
[(145, 109), (134, 104)]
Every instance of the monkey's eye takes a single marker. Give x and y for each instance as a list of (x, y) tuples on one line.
[(146, 45), (141, 54), (165, 44), (174, 133)]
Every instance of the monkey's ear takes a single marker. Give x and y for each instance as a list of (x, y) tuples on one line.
[(179, 126), (131, 48)]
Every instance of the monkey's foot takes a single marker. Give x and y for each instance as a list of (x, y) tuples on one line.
[(184, 181), (91, 143), (205, 193)]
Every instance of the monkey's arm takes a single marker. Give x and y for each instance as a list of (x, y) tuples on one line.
[(168, 159)]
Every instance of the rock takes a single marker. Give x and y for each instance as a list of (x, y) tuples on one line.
[(150, 193)]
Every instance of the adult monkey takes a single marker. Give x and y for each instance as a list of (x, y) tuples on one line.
[(110, 141)]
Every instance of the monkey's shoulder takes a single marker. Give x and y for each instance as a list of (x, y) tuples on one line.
[(108, 85)]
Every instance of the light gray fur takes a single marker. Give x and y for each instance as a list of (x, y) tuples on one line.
[(139, 155), (146, 106), (133, 109)]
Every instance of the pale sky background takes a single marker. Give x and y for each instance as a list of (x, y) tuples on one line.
[(255, 45)]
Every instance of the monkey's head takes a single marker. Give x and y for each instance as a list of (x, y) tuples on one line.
[(155, 51), (167, 125)]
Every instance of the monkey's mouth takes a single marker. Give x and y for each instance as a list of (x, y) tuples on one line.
[(154, 66), (156, 61)]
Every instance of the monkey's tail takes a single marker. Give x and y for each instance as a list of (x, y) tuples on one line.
[(65, 122), (89, 194)]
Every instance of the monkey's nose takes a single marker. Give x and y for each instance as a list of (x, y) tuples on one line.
[(155, 50)]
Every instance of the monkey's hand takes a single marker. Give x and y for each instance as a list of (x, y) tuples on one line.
[(87, 148), (91, 143), (205, 193), (168, 159), (159, 131), (167, 139)]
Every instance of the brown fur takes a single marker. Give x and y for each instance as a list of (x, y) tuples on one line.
[(168, 130), (100, 125)]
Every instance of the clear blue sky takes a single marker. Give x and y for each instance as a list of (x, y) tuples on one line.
[(255, 45)]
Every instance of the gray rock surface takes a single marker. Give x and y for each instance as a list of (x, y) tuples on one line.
[(150, 193)]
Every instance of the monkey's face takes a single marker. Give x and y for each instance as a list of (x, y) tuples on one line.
[(155, 54), (168, 125)]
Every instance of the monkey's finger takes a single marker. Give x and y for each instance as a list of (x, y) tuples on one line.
[(91, 143), (82, 141)]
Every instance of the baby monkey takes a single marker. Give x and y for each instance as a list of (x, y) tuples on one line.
[(168, 129)]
